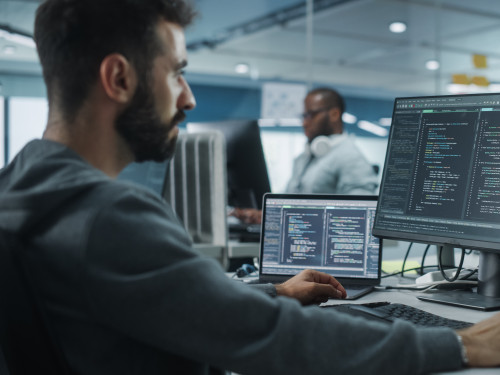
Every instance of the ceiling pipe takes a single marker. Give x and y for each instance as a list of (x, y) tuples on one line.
[(437, 47), (309, 43), (276, 18)]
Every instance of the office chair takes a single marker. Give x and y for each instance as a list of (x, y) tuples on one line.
[(24, 339)]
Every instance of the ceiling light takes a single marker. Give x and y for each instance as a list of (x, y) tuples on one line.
[(432, 64), (9, 50), (242, 68), (373, 128), (15, 36), (385, 121), (348, 118), (397, 27)]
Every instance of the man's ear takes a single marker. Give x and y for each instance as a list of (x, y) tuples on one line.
[(118, 78), (334, 115)]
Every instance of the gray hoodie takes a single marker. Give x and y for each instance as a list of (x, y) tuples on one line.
[(124, 292)]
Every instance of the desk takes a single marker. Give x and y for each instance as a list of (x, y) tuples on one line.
[(410, 298)]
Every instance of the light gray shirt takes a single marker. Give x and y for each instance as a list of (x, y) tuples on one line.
[(342, 169)]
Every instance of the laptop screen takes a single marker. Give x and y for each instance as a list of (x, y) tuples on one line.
[(325, 232)]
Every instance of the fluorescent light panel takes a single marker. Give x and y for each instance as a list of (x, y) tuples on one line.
[(17, 38), (397, 27), (349, 118), (373, 128)]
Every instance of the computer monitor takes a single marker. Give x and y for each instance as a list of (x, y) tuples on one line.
[(150, 174), (247, 177), (441, 183)]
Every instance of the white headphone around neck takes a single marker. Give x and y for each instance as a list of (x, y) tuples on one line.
[(321, 145)]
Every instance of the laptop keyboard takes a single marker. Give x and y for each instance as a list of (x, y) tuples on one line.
[(389, 312)]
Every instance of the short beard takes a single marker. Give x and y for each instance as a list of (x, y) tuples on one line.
[(143, 130)]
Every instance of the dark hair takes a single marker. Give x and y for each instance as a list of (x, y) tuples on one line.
[(74, 36), (330, 97)]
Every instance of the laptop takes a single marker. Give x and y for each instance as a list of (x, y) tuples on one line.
[(329, 233)]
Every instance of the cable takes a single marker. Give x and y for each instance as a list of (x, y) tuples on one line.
[(405, 258), (423, 259), (475, 270), (459, 268)]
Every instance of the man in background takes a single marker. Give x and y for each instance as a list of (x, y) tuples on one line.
[(331, 162), (115, 275)]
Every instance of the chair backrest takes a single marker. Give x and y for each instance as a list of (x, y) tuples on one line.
[(24, 340), (197, 190)]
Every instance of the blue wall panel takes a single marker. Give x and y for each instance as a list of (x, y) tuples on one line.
[(221, 103)]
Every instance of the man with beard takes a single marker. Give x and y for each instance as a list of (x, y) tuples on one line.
[(119, 287), (331, 162)]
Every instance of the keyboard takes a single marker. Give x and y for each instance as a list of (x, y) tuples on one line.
[(389, 312)]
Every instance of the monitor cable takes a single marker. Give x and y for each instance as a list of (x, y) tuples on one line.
[(421, 272), (405, 259), (457, 272)]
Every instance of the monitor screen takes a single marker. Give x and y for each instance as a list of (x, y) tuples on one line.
[(247, 176), (151, 175), (329, 233), (441, 179)]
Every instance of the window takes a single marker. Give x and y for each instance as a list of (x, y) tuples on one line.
[(27, 120), (2, 133)]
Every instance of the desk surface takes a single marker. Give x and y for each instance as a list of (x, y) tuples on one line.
[(410, 298)]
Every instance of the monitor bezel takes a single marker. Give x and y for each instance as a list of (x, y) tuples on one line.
[(282, 277), (433, 239)]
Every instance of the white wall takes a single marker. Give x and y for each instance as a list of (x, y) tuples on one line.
[(280, 148), (27, 120), (2, 127), (374, 150)]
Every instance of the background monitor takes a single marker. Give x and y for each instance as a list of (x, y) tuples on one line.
[(441, 181), (151, 175), (247, 176)]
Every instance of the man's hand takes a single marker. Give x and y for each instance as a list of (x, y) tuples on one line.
[(311, 287), (482, 342), (247, 215)]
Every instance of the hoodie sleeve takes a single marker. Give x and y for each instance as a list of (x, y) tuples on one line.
[(143, 279)]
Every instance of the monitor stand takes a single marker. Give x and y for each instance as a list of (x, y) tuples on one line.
[(487, 297)]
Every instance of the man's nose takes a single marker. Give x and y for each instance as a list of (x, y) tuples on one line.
[(187, 100)]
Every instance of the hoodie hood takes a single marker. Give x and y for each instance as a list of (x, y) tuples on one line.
[(39, 180)]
